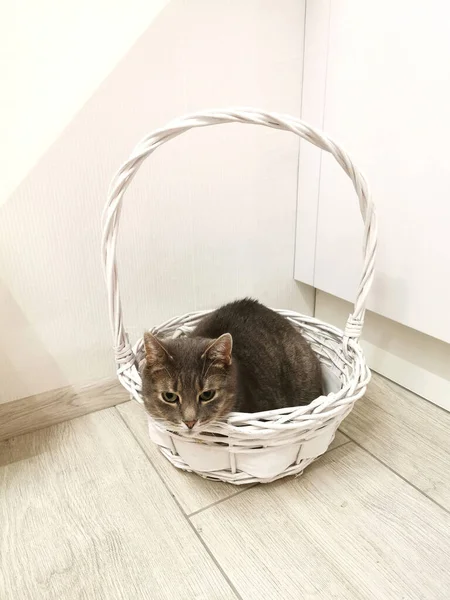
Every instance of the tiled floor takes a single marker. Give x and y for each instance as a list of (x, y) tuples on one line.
[(90, 510)]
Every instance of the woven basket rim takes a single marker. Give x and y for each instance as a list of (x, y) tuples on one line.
[(131, 379)]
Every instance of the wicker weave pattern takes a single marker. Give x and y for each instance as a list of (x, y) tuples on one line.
[(273, 444)]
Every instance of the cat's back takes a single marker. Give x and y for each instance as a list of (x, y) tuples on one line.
[(277, 365), (242, 317)]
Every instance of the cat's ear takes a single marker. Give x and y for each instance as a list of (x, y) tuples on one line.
[(219, 351), (156, 354)]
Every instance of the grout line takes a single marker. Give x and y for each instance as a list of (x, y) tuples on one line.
[(340, 445), (249, 487), (183, 512), (233, 495), (398, 474), (332, 450), (213, 558)]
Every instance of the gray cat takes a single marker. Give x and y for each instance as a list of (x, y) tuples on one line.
[(241, 357)]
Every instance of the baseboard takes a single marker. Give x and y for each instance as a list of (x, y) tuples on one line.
[(49, 408)]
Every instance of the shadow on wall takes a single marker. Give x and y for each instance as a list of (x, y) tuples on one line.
[(26, 366), (209, 219)]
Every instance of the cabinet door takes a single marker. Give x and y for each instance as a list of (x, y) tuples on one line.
[(377, 80)]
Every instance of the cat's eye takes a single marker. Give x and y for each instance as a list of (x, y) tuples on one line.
[(207, 395), (170, 397)]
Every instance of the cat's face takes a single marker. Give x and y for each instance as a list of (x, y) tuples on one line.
[(189, 381)]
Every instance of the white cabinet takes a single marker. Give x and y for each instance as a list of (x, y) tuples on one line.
[(377, 80)]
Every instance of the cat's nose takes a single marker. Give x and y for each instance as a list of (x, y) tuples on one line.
[(191, 424)]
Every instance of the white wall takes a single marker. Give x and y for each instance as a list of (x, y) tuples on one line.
[(53, 57), (211, 217)]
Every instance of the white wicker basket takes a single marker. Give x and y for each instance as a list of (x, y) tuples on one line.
[(272, 444)]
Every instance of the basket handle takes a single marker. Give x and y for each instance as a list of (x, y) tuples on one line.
[(124, 353)]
